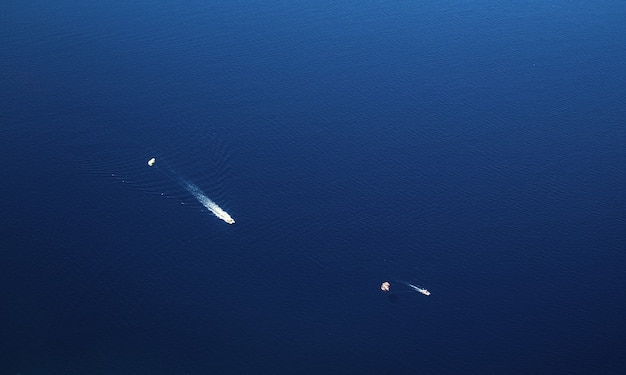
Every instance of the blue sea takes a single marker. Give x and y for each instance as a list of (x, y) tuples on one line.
[(473, 148)]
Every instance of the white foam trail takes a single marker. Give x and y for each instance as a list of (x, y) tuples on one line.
[(197, 193), (208, 203), (418, 289)]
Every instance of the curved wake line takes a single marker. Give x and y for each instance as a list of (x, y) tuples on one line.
[(208, 203)]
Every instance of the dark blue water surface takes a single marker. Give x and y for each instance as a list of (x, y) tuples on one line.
[(477, 149)]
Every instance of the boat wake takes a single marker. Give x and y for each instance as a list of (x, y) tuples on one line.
[(196, 192)]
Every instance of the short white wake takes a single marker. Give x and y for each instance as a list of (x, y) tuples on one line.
[(208, 203), (198, 194), (417, 288)]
